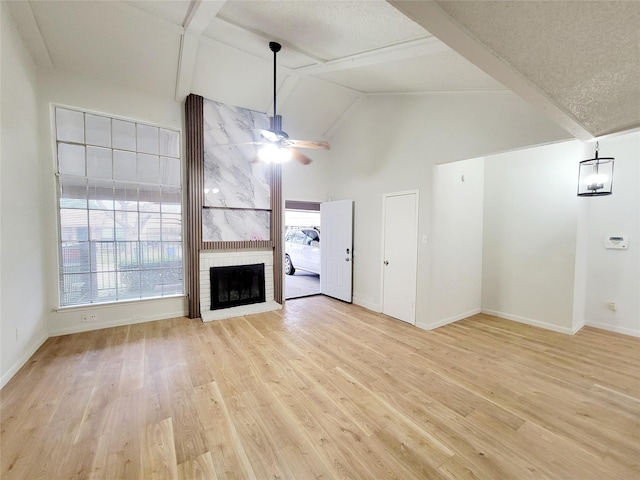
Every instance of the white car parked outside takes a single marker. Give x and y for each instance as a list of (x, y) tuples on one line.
[(302, 250)]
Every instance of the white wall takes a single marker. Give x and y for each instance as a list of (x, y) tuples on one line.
[(530, 228), (613, 275), (456, 241), (23, 309), (390, 144), (308, 182), (90, 94), (544, 260)]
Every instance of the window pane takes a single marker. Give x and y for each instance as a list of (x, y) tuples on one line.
[(161, 282), (75, 257), (103, 256), (171, 200), (71, 159), (150, 255), (100, 195), (170, 171), (126, 196), (128, 255), (150, 283), (98, 130), (124, 135), (99, 162), (148, 168), (105, 285), (147, 139), (149, 197), (126, 225), (69, 125), (171, 227), (150, 226), (101, 225), (74, 225), (75, 289), (129, 284), (73, 192), (170, 281), (124, 165), (172, 254), (169, 143)]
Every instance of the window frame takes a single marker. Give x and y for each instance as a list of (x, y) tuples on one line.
[(176, 153)]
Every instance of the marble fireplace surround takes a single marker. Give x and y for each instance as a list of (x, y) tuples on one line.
[(227, 258), (228, 241)]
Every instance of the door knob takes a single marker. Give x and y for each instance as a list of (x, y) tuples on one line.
[(386, 262)]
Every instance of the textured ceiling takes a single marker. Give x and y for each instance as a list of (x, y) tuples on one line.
[(439, 72), (578, 62), (585, 55), (325, 30)]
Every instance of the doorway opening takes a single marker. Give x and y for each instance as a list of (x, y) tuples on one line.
[(302, 257)]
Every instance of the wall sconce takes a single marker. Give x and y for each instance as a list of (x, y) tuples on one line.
[(595, 176)]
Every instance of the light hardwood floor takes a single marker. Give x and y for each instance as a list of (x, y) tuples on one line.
[(325, 390)]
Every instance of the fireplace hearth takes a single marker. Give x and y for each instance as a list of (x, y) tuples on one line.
[(237, 285)]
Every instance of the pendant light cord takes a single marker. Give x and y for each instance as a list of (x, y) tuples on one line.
[(274, 82)]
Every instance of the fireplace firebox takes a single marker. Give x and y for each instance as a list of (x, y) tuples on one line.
[(236, 285)]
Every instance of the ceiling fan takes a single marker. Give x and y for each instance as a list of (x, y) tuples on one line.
[(278, 147)]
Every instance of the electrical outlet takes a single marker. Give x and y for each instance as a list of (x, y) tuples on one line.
[(93, 317), (137, 317), (84, 318)]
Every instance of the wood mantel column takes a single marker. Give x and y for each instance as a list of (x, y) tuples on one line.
[(194, 123)]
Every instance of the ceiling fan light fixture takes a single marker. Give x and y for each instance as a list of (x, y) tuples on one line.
[(278, 148), (271, 153)]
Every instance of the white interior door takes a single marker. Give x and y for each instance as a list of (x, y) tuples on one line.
[(336, 249), (400, 255)]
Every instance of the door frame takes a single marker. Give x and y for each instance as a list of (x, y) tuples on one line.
[(301, 205), (385, 196)]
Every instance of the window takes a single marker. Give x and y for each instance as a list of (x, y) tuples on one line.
[(120, 209)]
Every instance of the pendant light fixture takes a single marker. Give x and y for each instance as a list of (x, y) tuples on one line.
[(595, 176)]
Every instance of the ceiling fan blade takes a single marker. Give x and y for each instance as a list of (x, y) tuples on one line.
[(309, 144), (300, 157), (218, 145)]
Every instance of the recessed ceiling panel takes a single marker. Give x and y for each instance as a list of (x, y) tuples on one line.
[(443, 71), (245, 41), (325, 30), (173, 11), (99, 39)]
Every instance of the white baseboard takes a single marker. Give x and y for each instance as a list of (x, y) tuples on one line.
[(454, 318), (614, 328), (86, 327), (23, 359), (530, 321), (366, 304)]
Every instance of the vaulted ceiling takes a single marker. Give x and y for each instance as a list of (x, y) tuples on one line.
[(577, 62)]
